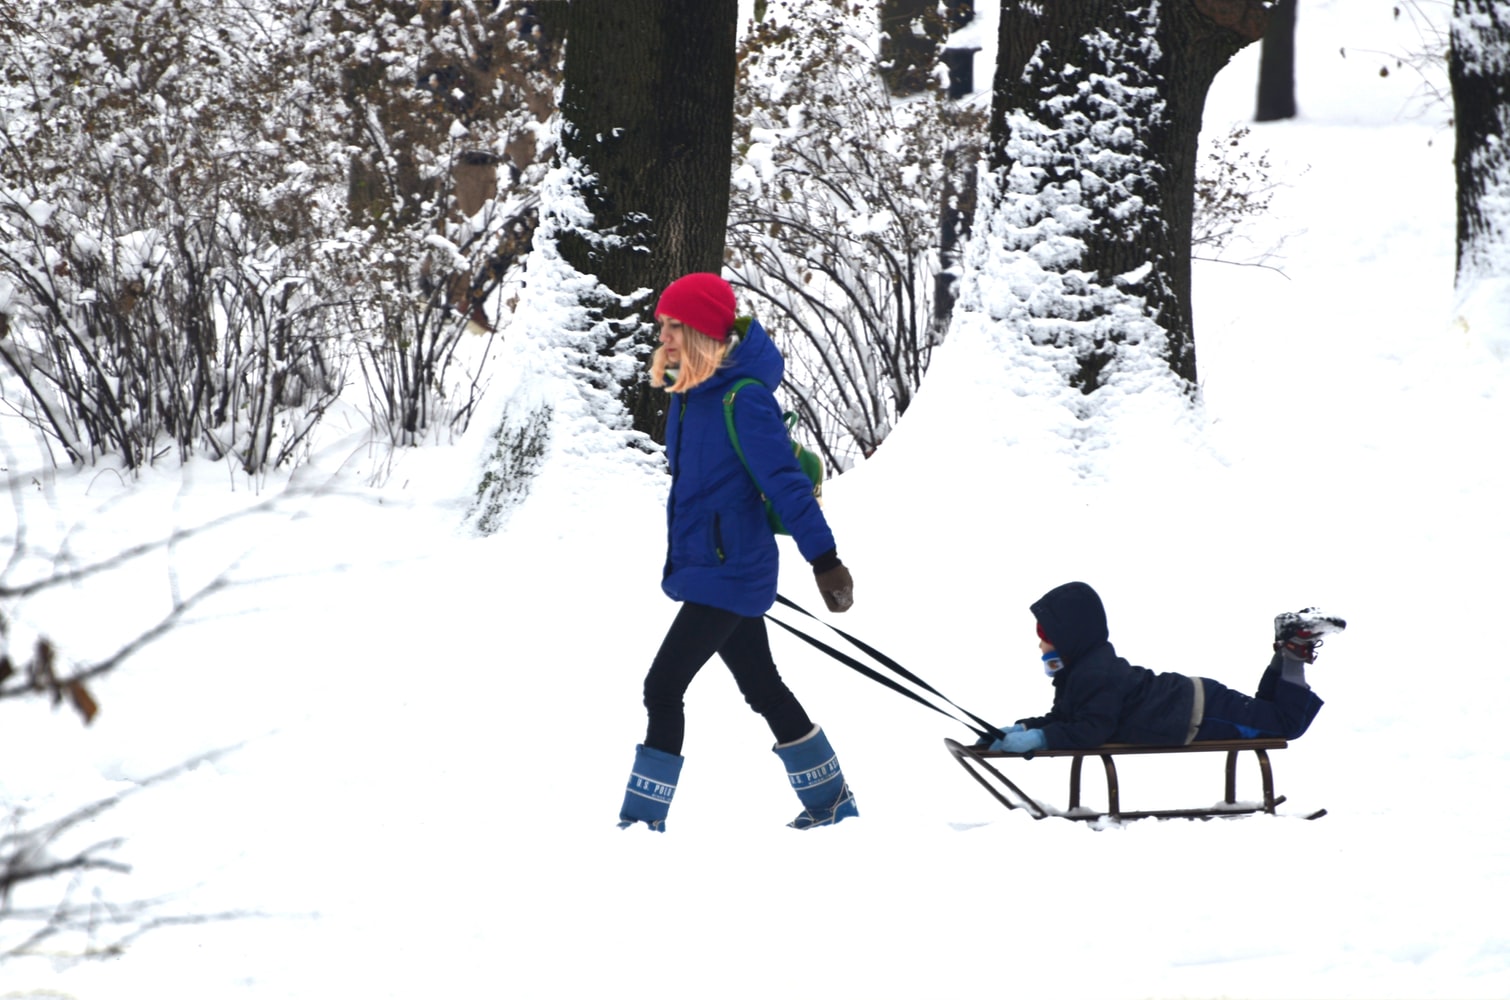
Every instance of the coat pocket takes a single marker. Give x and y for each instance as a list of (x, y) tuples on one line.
[(700, 542)]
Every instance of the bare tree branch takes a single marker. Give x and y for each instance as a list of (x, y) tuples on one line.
[(34, 855)]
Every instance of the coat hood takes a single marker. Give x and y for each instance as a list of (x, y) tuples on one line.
[(1073, 618), (755, 356)]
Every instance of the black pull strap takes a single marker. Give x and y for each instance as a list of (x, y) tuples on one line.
[(986, 730)]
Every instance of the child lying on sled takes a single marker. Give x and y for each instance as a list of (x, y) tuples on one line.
[(1101, 698)]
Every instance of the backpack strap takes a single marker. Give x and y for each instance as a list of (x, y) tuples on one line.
[(733, 434)]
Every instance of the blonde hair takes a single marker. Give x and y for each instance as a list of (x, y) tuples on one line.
[(701, 357)]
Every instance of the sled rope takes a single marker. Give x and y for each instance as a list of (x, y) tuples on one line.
[(982, 728)]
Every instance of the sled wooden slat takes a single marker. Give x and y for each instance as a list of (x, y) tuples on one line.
[(978, 762)]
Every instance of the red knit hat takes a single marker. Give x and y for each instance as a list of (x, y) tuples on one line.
[(1041, 634), (702, 301)]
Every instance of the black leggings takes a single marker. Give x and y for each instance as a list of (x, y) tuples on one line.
[(697, 633)]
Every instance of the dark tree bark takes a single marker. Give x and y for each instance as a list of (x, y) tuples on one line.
[(1481, 113), (1276, 66), (648, 106), (1115, 90)]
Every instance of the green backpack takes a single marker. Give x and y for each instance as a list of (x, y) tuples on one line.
[(811, 463)]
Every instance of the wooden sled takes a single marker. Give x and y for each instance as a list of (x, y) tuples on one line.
[(978, 761)]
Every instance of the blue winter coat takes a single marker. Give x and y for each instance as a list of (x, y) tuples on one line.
[(1098, 696), (720, 547)]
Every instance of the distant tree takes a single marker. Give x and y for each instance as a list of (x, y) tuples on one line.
[(1479, 69), (1276, 65), (912, 32), (1095, 123), (647, 110)]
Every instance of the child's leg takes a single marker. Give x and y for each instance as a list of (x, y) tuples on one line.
[(1287, 713), (1270, 678)]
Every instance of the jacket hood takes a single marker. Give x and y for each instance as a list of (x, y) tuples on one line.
[(755, 356), (1073, 618)]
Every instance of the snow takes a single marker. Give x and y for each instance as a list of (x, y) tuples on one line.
[(429, 730)]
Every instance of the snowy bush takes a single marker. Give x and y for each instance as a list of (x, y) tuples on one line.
[(159, 206), (207, 212), (447, 109), (157, 218), (1232, 187)]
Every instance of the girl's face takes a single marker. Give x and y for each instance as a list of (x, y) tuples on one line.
[(1044, 646), (672, 333)]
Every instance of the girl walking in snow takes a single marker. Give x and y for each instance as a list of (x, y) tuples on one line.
[(721, 558), (1101, 698)]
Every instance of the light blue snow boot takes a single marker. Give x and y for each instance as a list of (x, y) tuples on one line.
[(652, 782), (816, 778)]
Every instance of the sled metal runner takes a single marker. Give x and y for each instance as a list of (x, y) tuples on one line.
[(977, 760)]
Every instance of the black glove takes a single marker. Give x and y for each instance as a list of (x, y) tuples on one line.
[(836, 586)]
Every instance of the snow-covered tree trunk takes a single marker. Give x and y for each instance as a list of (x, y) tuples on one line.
[(637, 196), (1480, 74), (648, 110), (1082, 238)]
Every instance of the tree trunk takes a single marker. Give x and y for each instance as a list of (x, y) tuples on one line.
[(1276, 66), (648, 105), (1095, 121), (1480, 73)]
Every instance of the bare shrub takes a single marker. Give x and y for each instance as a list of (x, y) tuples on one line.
[(162, 270), (835, 218)]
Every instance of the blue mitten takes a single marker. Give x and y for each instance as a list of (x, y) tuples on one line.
[(986, 741), (1021, 741)]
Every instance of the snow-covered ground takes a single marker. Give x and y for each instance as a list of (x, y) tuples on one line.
[(434, 729)]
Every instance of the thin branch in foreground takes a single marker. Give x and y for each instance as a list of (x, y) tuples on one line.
[(30, 856)]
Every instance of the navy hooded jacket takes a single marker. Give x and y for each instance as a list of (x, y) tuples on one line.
[(1098, 696), (720, 547)]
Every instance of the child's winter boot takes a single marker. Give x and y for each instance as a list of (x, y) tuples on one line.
[(1297, 637), (652, 782), (814, 772), (1300, 632)]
